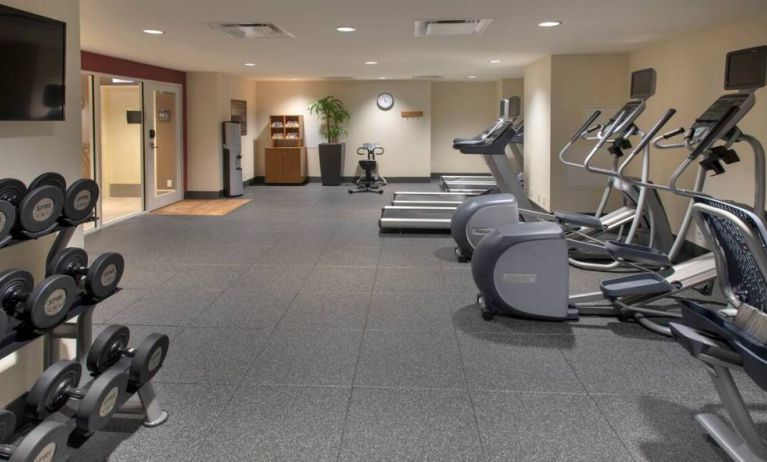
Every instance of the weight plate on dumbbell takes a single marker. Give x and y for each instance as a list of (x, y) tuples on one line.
[(14, 281), (148, 358), (104, 274), (3, 325), (43, 444), (12, 190), (49, 302), (105, 351), (46, 395), (64, 261), (40, 208), (49, 179), (7, 424), (7, 218), (101, 400), (80, 199)]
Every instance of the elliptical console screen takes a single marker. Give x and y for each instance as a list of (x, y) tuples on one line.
[(746, 69), (643, 83)]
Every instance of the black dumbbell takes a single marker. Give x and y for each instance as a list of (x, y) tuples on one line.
[(44, 443), (49, 179), (59, 383), (79, 199), (44, 306), (112, 344), (12, 191), (37, 208), (99, 280)]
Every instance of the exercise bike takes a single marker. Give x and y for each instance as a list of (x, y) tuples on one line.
[(372, 181)]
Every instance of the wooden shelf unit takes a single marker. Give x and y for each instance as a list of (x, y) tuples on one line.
[(286, 131), (285, 161)]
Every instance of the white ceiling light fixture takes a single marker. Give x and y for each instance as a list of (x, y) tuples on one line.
[(549, 23), (153, 31), (116, 80), (346, 29), (250, 65), (495, 61), (371, 63), (472, 77), (381, 78)]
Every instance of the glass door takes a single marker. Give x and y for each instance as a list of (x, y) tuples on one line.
[(120, 155), (163, 128)]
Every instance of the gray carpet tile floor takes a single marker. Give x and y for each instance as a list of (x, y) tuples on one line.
[(299, 333)]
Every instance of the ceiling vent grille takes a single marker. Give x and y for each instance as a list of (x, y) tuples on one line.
[(339, 78), (251, 30), (431, 27), (428, 77)]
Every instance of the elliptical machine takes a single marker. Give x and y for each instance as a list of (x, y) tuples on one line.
[(521, 269), (372, 181)]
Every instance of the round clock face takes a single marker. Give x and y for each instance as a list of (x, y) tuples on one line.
[(385, 101)]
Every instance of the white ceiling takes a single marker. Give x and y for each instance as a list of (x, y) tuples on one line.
[(385, 33)]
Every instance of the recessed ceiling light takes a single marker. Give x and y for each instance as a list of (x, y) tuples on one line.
[(345, 29), (472, 77), (153, 31), (549, 23), (381, 78), (250, 65), (116, 80), (495, 61), (370, 63), (294, 79)]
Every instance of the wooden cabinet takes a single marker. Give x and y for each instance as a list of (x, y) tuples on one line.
[(285, 165)]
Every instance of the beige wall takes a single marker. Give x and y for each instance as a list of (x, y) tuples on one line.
[(560, 92), (407, 141), (28, 149), (120, 141), (511, 87), (459, 109), (537, 147), (690, 77), (208, 101), (580, 83)]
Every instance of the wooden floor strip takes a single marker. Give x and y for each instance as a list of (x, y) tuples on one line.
[(195, 207)]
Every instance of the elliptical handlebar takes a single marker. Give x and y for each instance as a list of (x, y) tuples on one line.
[(584, 129), (643, 144)]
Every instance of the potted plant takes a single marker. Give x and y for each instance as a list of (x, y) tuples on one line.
[(333, 114)]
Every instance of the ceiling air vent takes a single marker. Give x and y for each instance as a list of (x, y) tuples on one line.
[(339, 78), (429, 27), (251, 30), (428, 77)]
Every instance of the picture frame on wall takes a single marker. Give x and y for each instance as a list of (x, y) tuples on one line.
[(239, 113)]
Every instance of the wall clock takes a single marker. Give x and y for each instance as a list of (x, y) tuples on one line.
[(385, 101)]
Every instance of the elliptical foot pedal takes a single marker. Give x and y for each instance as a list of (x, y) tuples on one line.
[(636, 284)]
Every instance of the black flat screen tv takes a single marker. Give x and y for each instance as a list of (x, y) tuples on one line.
[(32, 57)]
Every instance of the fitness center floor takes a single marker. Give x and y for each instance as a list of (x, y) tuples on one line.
[(300, 333)]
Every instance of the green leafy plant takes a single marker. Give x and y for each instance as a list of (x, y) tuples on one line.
[(333, 114)]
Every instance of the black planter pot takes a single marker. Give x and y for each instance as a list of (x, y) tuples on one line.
[(331, 163)]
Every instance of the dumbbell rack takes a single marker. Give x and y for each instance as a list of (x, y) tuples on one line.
[(16, 337)]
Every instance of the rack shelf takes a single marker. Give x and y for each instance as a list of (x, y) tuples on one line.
[(287, 131)]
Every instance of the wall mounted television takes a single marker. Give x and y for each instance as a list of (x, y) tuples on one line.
[(32, 59)]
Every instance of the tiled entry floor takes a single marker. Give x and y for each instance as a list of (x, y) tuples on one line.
[(300, 334)]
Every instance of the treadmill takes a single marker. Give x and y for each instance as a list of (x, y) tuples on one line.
[(437, 217), (477, 184)]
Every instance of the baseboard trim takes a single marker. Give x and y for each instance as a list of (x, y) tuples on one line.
[(436, 175), (204, 194), (389, 179)]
